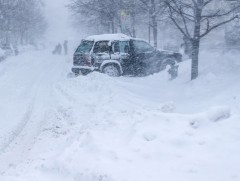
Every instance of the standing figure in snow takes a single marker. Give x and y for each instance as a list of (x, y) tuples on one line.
[(173, 71), (55, 50), (65, 46), (59, 49)]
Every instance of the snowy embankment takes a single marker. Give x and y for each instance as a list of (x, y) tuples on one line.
[(98, 128)]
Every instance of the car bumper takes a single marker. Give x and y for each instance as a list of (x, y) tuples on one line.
[(76, 69)]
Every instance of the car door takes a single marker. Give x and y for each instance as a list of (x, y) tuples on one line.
[(142, 52), (121, 51), (101, 51)]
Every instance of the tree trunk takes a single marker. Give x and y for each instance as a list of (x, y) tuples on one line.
[(154, 22), (155, 31), (195, 54), (120, 24), (133, 25), (149, 27), (196, 44), (113, 27)]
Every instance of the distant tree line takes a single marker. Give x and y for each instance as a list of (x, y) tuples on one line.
[(121, 15), (194, 19), (21, 21)]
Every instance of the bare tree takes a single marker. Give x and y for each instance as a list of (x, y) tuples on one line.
[(157, 12), (21, 21), (103, 11), (128, 16), (197, 18)]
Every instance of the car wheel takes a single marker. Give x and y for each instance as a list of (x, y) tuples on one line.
[(111, 70), (141, 71)]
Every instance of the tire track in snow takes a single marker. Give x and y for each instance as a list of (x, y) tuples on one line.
[(17, 148), (15, 133), (64, 93)]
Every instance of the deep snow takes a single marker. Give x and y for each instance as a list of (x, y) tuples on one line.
[(98, 128)]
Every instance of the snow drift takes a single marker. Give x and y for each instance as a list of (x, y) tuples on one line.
[(98, 128)]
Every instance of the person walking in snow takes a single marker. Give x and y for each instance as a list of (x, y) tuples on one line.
[(65, 46), (59, 49), (54, 52)]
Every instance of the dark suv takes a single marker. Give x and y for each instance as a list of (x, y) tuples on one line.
[(118, 54)]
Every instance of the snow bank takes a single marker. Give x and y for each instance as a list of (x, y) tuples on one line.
[(112, 129), (219, 113)]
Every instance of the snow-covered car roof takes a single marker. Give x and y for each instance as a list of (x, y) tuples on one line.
[(108, 37)]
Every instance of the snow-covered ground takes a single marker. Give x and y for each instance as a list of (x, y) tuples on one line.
[(98, 128)]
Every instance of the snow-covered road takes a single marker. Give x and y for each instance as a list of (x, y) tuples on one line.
[(98, 128), (26, 98)]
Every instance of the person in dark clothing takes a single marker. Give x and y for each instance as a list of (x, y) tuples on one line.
[(65, 46), (59, 49), (55, 50)]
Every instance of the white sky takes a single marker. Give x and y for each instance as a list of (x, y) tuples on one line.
[(59, 21)]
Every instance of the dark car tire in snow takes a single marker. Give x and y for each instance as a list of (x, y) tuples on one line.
[(111, 70), (141, 70)]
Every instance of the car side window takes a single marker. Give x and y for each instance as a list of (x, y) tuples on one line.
[(121, 47), (142, 46), (101, 47), (124, 46)]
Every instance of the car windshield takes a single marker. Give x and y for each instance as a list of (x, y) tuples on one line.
[(85, 47), (142, 46)]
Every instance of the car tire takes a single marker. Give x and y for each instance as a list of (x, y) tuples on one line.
[(141, 71), (111, 70)]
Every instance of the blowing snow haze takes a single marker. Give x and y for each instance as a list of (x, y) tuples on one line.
[(59, 21), (149, 94)]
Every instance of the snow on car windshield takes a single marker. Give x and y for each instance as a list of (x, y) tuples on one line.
[(85, 47)]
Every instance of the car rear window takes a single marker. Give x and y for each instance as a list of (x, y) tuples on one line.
[(121, 47), (85, 47)]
